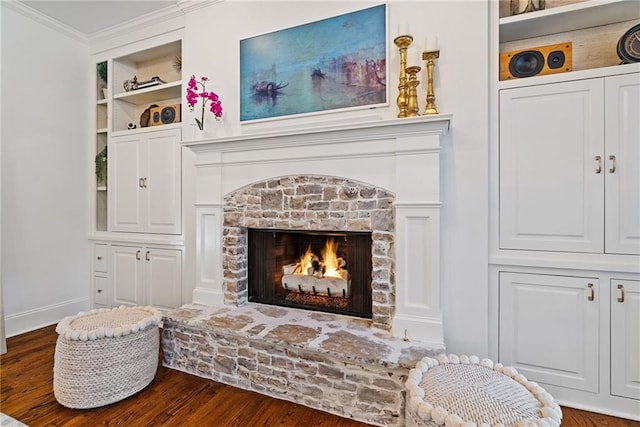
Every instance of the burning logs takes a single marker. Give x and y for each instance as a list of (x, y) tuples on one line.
[(326, 276), (316, 284)]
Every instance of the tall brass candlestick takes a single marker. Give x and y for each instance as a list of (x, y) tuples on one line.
[(403, 42), (430, 57), (412, 105)]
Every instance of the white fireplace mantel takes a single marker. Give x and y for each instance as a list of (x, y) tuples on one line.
[(399, 155)]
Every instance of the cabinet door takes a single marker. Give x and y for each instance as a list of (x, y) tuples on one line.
[(549, 328), (163, 183), (127, 269), (551, 167), (625, 338), (623, 164), (125, 179), (163, 277)]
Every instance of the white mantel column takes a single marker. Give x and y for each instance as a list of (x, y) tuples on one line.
[(418, 314)]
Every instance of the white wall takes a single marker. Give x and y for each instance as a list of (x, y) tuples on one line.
[(211, 48), (45, 187), (45, 184)]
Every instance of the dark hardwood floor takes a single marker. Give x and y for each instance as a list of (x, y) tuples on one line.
[(172, 399)]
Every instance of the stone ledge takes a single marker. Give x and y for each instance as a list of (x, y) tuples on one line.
[(334, 363), (346, 338)]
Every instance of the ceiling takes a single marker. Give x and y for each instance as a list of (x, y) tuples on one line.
[(90, 16)]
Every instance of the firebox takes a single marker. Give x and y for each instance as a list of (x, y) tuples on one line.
[(327, 271)]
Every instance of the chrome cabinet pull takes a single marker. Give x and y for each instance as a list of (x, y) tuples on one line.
[(621, 297), (612, 159), (598, 164), (99, 258), (138, 254), (99, 291), (140, 183), (592, 294), (146, 256)]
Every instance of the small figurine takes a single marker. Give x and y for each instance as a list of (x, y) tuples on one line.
[(131, 84)]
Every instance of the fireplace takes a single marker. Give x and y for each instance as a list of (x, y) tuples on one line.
[(328, 271), (378, 177)]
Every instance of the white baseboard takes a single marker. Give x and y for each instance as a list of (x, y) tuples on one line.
[(206, 296), (16, 324)]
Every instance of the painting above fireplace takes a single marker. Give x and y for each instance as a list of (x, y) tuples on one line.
[(315, 270)]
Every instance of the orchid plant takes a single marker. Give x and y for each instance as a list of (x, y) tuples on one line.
[(197, 89)]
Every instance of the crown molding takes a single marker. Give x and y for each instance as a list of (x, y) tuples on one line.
[(191, 5), (41, 18), (138, 23)]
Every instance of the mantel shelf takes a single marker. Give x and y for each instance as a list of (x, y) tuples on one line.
[(344, 132)]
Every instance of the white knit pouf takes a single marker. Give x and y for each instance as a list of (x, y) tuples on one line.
[(105, 355), (464, 391)]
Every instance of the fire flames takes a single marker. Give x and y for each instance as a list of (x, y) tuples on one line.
[(313, 276), (328, 266)]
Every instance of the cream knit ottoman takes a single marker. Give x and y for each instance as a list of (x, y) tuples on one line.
[(105, 355), (468, 392)]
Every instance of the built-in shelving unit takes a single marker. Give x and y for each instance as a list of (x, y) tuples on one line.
[(578, 125), (159, 61), (101, 140), (138, 203), (586, 14)]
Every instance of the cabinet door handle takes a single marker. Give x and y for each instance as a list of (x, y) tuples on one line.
[(612, 159), (621, 297), (99, 291), (598, 164), (592, 295), (99, 258), (141, 182), (138, 254), (146, 256)]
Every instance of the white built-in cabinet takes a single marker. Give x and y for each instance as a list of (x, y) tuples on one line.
[(138, 241), (570, 166), (565, 209), (145, 186), (549, 328), (625, 338), (146, 276)]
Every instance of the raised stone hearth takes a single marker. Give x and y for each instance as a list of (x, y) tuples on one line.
[(334, 363)]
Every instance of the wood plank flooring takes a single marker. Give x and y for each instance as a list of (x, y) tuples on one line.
[(172, 399)]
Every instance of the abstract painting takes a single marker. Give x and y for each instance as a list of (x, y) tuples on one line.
[(328, 65)]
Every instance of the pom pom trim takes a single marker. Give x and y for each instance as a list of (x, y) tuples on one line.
[(550, 411), (64, 328)]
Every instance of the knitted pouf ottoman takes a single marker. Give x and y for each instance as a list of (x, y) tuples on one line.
[(468, 392), (105, 355)]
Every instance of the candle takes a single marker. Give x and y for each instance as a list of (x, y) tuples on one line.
[(403, 29), (413, 56), (431, 43)]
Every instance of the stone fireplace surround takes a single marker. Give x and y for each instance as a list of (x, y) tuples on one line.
[(312, 203), (380, 176)]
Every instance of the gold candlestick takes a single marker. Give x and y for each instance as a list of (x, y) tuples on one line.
[(430, 57), (403, 42), (412, 102)]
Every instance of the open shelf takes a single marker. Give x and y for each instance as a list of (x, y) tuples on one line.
[(587, 14), (151, 94)]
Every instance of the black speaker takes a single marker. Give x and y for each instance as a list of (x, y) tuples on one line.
[(165, 115), (536, 61)]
